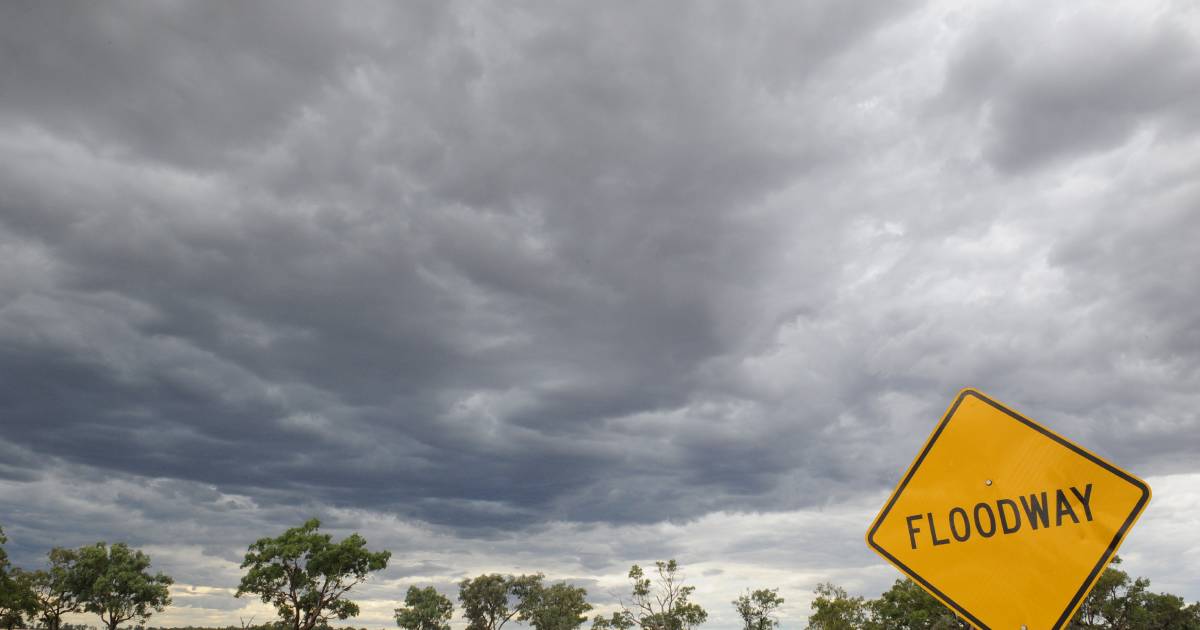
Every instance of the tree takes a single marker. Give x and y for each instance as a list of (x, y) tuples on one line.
[(489, 601), (10, 608), (620, 620), (834, 609), (424, 609), (660, 604), (756, 609), (16, 598), (1118, 602), (556, 607), (906, 606), (307, 576), (1113, 602), (1168, 612), (113, 582), (56, 590)]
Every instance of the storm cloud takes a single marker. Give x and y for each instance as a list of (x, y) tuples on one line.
[(460, 275)]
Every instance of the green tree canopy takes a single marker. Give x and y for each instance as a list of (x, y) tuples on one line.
[(556, 607), (306, 576), (834, 609), (56, 590), (114, 583), (757, 609), (489, 601), (16, 596), (424, 609), (906, 606), (660, 603), (1117, 602)]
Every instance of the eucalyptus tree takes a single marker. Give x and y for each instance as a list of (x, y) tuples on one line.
[(115, 584), (491, 600), (56, 590), (16, 598), (307, 576), (1117, 602), (757, 609), (424, 609), (907, 606), (1121, 601), (556, 607), (834, 609), (658, 603)]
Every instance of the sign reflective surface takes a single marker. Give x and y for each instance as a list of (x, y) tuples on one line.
[(1005, 521)]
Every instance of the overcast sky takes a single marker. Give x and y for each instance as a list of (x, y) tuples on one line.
[(563, 287)]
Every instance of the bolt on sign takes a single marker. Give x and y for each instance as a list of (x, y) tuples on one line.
[(1003, 520)]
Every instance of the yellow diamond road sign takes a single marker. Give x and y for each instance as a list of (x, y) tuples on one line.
[(1005, 521)]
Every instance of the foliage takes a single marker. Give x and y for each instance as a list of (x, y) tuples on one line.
[(489, 601), (1116, 603), (307, 576), (56, 589), (620, 620), (756, 609), (424, 609), (16, 598), (556, 607), (1120, 603), (906, 606), (113, 582), (834, 609), (14, 601), (658, 604)]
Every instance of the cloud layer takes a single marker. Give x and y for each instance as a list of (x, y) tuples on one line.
[(461, 276)]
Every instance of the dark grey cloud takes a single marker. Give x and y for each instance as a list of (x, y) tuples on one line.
[(188, 85), (466, 277), (447, 271), (1075, 83)]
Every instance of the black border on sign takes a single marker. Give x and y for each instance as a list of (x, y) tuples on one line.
[(1105, 557)]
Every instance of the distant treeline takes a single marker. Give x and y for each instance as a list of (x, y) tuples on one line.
[(307, 577), (1117, 602)]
